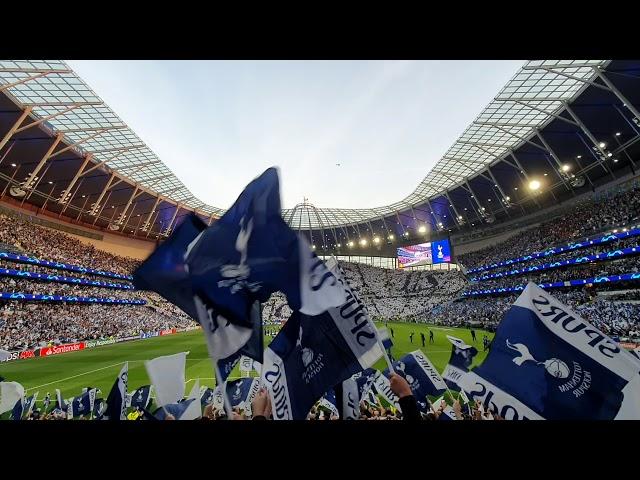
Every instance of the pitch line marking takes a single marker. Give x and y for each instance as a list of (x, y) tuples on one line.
[(75, 376)]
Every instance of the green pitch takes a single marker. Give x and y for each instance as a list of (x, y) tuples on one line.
[(98, 367)]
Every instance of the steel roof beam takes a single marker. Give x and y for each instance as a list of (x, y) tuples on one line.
[(14, 127)]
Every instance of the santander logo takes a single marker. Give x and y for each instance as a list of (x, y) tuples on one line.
[(55, 350)]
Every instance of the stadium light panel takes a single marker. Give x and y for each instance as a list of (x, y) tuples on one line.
[(566, 167), (422, 229), (534, 185), (376, 239), (602, 144), (13, 165), (617, 134), (363, 242), (391, 237)]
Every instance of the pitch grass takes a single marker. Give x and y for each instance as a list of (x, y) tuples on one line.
[(98, 367)]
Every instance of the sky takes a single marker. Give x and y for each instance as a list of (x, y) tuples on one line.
[(345, 134)]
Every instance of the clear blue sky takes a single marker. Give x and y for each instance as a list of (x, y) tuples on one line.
[(218, 124)]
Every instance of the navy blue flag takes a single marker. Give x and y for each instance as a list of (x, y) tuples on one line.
[(83, 404), (206, 397), (18, 409), (117, 399), (141, 397), (546, 362), (60, 403), (99, 407), (420, 374), (312, 354), (238, 391), (459, 362), (175, 409), (250, 252), (165, 272)]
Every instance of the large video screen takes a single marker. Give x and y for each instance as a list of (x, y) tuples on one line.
[(424, 254)]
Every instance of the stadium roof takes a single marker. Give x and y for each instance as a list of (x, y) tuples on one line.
[(539, 94)]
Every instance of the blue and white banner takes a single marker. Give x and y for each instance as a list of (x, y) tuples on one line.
[(239, 392), (383, 387), (311, 354), (83, 405), (29, 404), (420, 374), (459, 362), (355, 390), (206, 396), (117, 400), (546, 362)]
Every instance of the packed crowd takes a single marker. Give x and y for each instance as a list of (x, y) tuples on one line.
[(51, 244), (586, 219), (29, 325)]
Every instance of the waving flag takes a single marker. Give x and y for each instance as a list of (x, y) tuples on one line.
[(10, 393), (420, 374), (29, 404), (206, 396), (312, 354), (178, 410), (116, 401), (167, 376), (18, 409), (459, 362), (99, 408), (4, 355), (355, 390), (194, 410), (546, 362), (60, 403), (83, 405), (238, 391), (328, 401), (250, 252), (383, 387), (165, 272), (141, 397)]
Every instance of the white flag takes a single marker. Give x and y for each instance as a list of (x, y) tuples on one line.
[(194, 410), (167, 376), (10, 393), (4, 355)]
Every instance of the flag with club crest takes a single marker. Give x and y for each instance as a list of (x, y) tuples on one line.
[(194, 410), (420, 374), (250, 252), (83, 405), (116, 408), (459, 362), (238, 391), (99, 408), (206, 396), (141, 397), (546, 362), (311, 354), (177, 410)]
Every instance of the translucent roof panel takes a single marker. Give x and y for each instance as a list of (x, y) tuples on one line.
[(528, 101)]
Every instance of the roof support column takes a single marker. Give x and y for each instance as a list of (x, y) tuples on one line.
[(31, 180), (167, 230), (72, 197), (152, 224), (146, 225), (15, 126), (617, 92), (121, 221), (96, 205), (64, 196)]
